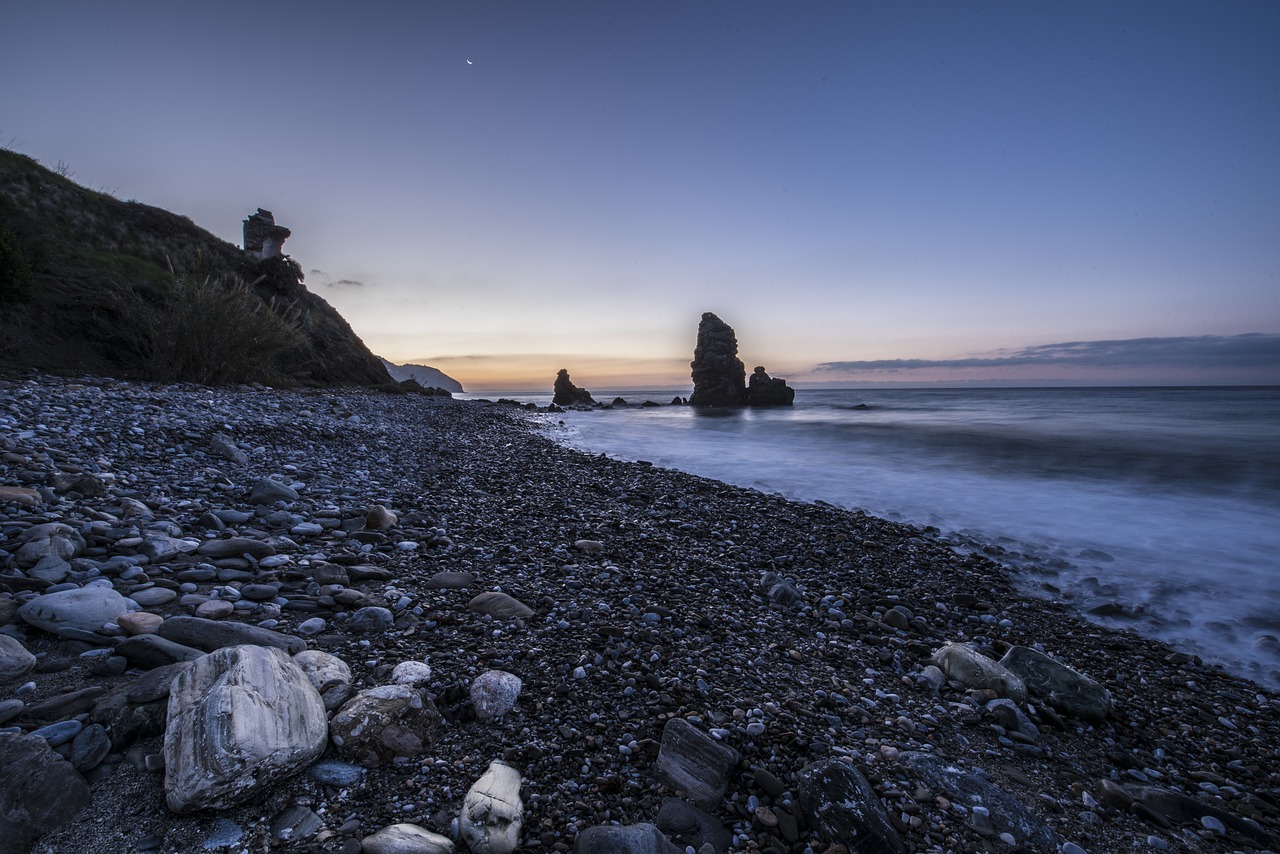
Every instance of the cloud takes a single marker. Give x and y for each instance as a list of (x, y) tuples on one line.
[(345, 283), (1212, 352)]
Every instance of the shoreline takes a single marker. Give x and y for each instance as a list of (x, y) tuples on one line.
[(664, 619)]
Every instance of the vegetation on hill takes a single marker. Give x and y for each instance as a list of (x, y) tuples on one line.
[(89, 283)]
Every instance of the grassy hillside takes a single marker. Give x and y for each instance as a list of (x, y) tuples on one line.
[(89, 283)]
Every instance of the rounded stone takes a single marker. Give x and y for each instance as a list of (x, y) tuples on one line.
[(15, 660)]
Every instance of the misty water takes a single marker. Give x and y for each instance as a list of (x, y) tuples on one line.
[(1151, 509)]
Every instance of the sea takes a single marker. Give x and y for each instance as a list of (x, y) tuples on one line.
[(1152, 509)]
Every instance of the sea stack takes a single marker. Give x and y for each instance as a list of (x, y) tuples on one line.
[(568, 394), (719, 379)]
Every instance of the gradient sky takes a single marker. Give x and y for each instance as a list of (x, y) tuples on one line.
[(865, 191)]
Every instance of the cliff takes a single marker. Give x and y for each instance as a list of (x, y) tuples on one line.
[(425, 376), (92, 284)]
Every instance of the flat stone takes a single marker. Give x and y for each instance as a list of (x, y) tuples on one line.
[(209, 635), (374, 619), (139, 622), (153, 597), (450, 581), (694, 764), (149, 651), (406, 839), (268, 491), (500, 606), (335, 772), (215, 609), (23, 495), (234, 547), (295, 822)]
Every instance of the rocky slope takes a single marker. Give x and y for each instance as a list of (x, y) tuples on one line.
[(513, 643), (425, 376), (91, 283)]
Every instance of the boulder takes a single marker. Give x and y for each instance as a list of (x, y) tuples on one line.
[(151, 651), (379, 518), (494, 693), (1007, 814), (841, 807), (694, 764), (568, 394), (719, 378), (764, 390), (78, 611), (628, 839), (39, 790), (1057, 684), (235, 547), (24, 495), (15, 660), (972, 669), (237, 718), (268, 491), (686, 825), (492, 812), (51, 538), (384, 723), (224, 446)]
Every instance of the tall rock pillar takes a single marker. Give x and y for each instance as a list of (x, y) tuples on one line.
[(719, 378)]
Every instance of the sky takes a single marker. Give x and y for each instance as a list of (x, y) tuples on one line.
[(1080, 192)]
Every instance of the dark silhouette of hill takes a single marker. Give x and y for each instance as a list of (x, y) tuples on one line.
[(92, 284)]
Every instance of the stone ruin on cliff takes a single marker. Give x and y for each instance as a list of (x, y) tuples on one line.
[(262, 237), (719, 378)]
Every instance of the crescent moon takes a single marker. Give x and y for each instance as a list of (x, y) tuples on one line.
[(469, 62)]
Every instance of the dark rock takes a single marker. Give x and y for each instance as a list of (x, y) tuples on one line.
[(209, 635), (90, 746), (764, 390), (267, 491), (841, 806), (236, 546), (1007, 813), (383, 723), (1175, 808), (719, 378), (66, 705), (150, 651), (500, 606), (685, 825), (629, 839), (568, 394), (39, 790), (1063, 688), (694, 764)]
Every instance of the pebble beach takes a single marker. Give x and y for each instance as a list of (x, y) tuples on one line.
[(617, 657)]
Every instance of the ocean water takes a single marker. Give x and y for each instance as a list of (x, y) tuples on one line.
[(1156, 509)]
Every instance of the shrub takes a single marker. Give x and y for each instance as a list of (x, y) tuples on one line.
[(15, 272), (213, 331)]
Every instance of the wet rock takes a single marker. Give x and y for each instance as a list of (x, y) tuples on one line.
[(841, 807), (1006, 813), (406, 839), (238, 717), (15, 660), (76, 612), (1063, 688), (39, 790), (963, 664), (384, 723), (494, 693), (492, 812), (627, 839), (694, 764)]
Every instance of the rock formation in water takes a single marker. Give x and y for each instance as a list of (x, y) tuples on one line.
[(568, 394), (719, 377), (764, 390)]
